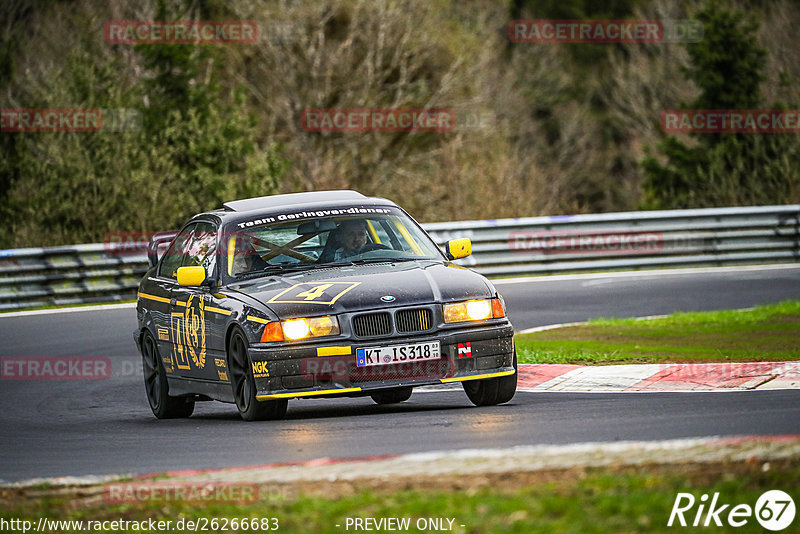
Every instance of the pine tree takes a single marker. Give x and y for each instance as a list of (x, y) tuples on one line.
[(727, 65)]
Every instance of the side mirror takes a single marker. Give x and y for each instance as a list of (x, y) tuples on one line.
[(458, 248), (191, 276)]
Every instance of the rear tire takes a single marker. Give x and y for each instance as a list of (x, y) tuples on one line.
[(392, 396), (244, 385), (491, 391), (156, 386)]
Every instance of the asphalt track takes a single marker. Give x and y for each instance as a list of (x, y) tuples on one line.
[(59, 428)]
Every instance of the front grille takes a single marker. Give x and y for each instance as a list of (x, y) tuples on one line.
[(372, 324), (418, 320)]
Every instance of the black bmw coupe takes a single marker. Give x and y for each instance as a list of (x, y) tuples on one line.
[(327, 293)]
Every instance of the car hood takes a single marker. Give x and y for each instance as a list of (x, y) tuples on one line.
[(365, 287)]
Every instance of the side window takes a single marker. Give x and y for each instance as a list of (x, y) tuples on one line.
[(195, 245), (174, 255), (202, 247)]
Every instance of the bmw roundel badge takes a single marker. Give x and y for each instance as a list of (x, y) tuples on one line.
[(387, 298)]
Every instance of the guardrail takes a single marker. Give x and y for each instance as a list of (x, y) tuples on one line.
[(103, 272)]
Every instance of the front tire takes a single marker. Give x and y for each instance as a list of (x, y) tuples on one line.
[(392, 396), (491, 391), (156, 387), (244, 385)]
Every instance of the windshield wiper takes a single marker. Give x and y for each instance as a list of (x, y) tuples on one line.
[(364, 261), (283, 267), (289, 267)]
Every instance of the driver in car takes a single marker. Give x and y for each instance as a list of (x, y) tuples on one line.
[(351, 237), (246, 259)]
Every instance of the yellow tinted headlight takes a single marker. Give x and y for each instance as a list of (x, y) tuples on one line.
[(323, 326), (473, 310), (294, 329)]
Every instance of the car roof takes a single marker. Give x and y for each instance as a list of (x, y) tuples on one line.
[(291, 199), (250, 208)]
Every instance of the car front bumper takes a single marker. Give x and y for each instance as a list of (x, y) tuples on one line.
[(329, 369)]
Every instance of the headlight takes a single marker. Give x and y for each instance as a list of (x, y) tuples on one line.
[(302, 328), (473, 310), (296, 329)]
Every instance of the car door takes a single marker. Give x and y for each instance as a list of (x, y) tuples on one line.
[(191, 327), (166, 281)]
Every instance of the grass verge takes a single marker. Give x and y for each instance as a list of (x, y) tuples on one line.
[(765, 333), (596, 500)]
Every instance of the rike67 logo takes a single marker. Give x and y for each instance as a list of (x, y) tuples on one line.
[(774, 510)]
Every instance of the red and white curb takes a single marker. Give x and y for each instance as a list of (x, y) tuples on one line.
[(660, 377), (729, 376)]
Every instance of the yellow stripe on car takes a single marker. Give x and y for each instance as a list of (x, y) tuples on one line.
[(152, 297), (334, 351), (476, 377), (147, 296), (306, 393)]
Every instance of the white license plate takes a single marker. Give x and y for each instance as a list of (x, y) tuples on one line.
[(411, 352)]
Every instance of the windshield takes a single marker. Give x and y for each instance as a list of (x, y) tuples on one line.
[(324, 241)]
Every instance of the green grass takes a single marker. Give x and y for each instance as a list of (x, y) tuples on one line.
[(594, 501), (764, 333)]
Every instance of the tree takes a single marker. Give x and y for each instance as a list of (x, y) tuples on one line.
[(194, 147), (724, 169)]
